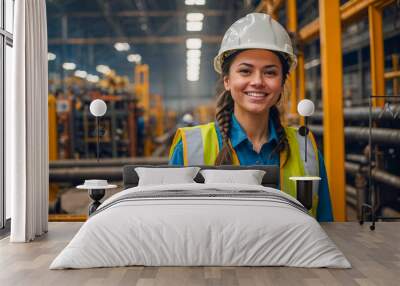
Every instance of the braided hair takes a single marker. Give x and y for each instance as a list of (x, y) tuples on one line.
[(224, 109)]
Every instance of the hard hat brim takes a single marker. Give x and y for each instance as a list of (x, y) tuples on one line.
[(218, 60)]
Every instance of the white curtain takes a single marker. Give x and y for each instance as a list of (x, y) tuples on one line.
[(26, 124)]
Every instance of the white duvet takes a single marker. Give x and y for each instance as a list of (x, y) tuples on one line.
[(188, 231)]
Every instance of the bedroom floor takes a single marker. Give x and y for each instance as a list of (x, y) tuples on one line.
[(375, 257)]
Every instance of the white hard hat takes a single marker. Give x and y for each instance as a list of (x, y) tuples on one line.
[(187, 118), (255, 31)]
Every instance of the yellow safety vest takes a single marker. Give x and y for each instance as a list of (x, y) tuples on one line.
[(201, 147)]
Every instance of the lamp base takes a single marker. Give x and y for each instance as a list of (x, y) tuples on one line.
[(96, 195), (304, 193), (304, 189)]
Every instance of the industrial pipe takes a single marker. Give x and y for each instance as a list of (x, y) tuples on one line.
[(386, 178), (352, 168), (78, 175), (351, 202), (383, 136), (351, 191), (362, 114), (109, 162), (355, 197), (379, 175), (351, 197), (357, 158)]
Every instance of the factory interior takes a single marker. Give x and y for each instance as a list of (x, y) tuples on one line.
[(151, 62)]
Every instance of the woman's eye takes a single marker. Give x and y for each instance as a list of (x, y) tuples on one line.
[(270, 73), (245, 72)]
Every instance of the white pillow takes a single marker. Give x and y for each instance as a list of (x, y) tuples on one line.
[(248, 177), (166, 176)]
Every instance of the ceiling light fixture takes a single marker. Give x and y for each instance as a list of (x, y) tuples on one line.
[(122, 47), (69, 66), (193, 43), (80, 73), (194, 17), (92, 78), (193, 61), (103, 69), (193, 54), (194, 26), (195, 2), (134, 58), (51, 56)]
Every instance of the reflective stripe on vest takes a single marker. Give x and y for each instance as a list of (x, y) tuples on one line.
[(194, 146), (292, 165)]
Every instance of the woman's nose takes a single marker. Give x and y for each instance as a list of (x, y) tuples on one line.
[(257, 79)]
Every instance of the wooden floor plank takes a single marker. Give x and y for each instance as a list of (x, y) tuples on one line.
[(375, 257)]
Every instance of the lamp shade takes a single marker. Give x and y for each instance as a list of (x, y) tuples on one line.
[(305, 107), (98, 107)]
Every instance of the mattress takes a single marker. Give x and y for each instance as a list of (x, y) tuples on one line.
[(201, 225)]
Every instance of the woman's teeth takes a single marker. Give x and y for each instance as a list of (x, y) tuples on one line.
[(256, 94)]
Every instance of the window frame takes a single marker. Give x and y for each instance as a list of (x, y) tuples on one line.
[(6, 39)]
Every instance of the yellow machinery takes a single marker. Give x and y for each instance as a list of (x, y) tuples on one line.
[(142, 92), (395, 74), (53, 144), (52, 113), (157, 112), (142, 89), (152, 106)]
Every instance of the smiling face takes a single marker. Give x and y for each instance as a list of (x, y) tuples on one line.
[(255, 81)]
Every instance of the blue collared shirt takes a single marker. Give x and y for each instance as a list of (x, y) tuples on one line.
[(266, 156)]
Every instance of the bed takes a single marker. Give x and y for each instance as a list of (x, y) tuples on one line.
[(198, 224)]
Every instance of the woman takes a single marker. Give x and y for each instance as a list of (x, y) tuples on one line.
[(254, 61)]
